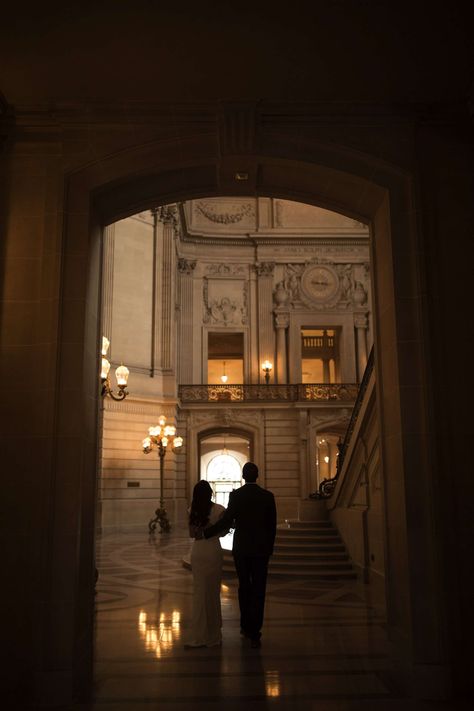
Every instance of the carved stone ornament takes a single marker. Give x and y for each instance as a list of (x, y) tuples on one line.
[(212, 213), (226, 269), (224, 310), (186, 266), (264, 268)]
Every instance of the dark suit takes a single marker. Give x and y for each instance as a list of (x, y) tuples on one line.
[(252, 512)]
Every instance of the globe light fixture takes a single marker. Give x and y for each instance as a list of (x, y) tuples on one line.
[(267, 368), (224, 377), (121, 375), (160, 437)]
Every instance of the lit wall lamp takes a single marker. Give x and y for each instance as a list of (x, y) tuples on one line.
[(121, 375), (224, 377), (267, 368), (159, 438)]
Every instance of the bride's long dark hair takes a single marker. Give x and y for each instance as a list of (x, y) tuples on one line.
[(201, 504)]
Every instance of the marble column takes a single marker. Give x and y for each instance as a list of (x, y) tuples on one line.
[(361, 323), (266, 344), (185, 356), (281, 325)]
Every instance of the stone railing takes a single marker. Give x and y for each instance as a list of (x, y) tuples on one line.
[(301, 392), (327, 486)]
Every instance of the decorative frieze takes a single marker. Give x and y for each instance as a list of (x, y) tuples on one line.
[(223, 270)]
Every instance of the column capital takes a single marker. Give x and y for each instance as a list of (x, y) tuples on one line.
[(186, 266), (168, 215), (361, 320), (282, 319), (264, 268)]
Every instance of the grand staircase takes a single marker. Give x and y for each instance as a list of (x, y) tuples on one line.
[(306, 549)]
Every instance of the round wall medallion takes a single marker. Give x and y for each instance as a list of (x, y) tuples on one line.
[(320, 282)]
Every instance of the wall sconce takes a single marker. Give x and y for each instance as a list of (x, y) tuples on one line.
[(267, 367), (224, 377), (121, 375)]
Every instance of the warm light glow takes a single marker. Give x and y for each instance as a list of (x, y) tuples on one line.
[(272, 683), (177, 442), (146, 444), (326, 459), (267, 366), (162, 420), (122, 374), (154, 431), (105, 345), (164, 441), (105, 369), (170, 431)]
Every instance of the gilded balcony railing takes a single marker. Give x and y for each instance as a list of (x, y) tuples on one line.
[(301, 392)]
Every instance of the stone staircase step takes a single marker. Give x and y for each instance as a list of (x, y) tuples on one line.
[(294, 524)]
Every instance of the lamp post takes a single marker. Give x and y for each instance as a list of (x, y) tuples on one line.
[(159, 438), (267, 367), (121, 375)]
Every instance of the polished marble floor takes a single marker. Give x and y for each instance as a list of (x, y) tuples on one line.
[(324, 645)]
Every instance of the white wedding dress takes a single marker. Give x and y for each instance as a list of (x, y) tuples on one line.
[(206, 565)]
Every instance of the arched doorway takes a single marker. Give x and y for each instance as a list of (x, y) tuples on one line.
[(222, 455), (357, 185)]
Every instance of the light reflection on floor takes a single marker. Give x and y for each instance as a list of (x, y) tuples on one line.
[(323, 643)]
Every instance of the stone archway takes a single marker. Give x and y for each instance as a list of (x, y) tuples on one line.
[(307, 171)]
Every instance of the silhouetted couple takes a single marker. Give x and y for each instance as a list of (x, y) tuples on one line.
[(252, 513)]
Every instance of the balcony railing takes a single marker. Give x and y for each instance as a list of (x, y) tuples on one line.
[(301, 392)]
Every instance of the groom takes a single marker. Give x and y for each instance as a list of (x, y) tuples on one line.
[(252, 512)]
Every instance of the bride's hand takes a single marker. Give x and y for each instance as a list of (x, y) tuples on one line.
[(196, 532)]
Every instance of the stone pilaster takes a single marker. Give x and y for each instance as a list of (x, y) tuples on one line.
[(168, 217), (266, 342), (185, 320)]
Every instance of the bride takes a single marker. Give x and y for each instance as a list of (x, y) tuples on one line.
[(206, 564)]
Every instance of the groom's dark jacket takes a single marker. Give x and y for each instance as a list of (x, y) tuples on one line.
[(252, 512)]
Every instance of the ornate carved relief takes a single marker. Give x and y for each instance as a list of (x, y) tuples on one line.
[(227, 417), (222, 309), (211, 212)]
